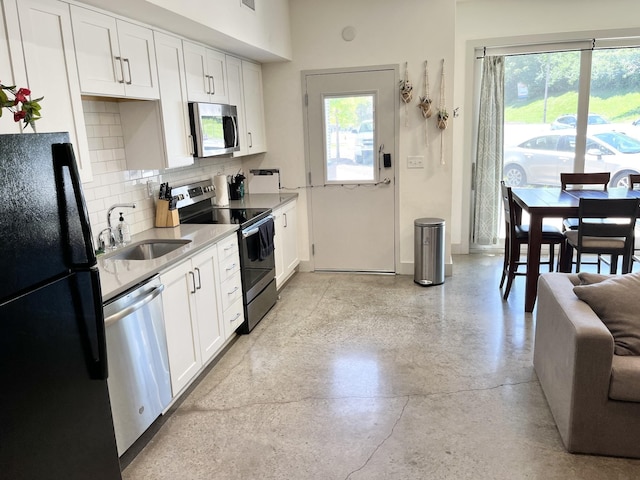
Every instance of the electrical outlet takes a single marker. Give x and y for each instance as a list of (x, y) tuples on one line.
[(415, 162)]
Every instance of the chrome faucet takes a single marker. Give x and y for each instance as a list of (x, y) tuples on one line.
[(109, 229), (103, 244)]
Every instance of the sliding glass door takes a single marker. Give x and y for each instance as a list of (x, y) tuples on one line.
[(541, 96), (568, 110), (542, 128)]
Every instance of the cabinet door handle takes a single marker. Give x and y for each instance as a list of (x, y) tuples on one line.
[(190, 144), (213, 84), (193, 279), (126, 60), (210, 90), (250, 140), (121, 79), (207, 87), (199, 279), (233, 291), (285, 219), (231, 267)]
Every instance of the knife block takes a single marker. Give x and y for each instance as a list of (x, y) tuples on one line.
[(166, 217)]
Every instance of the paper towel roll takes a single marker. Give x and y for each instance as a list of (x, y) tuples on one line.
[(222, 190)]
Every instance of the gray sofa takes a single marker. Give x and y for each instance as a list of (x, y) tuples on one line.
[(593, 394)]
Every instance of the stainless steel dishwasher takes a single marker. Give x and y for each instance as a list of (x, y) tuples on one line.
[(139, 382)]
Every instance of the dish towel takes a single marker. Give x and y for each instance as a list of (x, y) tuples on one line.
[(265, 233)]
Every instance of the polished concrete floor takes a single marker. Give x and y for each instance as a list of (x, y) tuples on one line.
[(373, 377)]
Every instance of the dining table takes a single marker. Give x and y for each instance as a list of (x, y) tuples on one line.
[(543, 202)]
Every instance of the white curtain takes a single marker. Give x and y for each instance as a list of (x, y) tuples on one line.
[(489, 153)]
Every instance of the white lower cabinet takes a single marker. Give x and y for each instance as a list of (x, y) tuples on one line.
[(286, 242), (210, 330), (183, 344), (202, 303), (230, 283)]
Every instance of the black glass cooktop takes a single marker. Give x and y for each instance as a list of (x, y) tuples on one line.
[(240, 216)]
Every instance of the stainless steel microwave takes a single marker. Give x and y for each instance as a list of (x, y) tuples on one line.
[(214, 128)]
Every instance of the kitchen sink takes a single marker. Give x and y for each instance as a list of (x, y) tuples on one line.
[(146, 250)]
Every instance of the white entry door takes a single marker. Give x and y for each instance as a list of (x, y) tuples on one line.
[(351, 135)]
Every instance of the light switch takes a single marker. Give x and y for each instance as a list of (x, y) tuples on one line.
[(415, 162)]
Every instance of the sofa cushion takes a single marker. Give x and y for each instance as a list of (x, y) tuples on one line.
[(588, 278), (625, 379), (616, 301)]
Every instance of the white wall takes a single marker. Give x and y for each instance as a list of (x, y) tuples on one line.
[(508, 22), (266, 28), (262, 35), (387, 33)]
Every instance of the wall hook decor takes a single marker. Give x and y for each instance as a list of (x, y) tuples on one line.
[(406, 92), (425, 102), (443, 115)]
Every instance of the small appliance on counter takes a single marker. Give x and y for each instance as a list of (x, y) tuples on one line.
[(264, 180)]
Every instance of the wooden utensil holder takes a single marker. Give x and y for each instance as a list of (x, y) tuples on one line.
[(166, 217)]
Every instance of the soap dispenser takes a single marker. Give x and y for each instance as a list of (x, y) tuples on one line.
[(123, 232)]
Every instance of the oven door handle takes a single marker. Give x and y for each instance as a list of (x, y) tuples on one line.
[(256, 226)]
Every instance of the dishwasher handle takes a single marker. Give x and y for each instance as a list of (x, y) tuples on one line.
[(137, 305)]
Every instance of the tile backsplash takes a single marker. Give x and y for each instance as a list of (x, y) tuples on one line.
[(114, 183)]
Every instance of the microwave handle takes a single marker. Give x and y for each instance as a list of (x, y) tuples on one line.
[(235, 132)]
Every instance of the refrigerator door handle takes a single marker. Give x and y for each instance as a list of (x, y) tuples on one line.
[(64, 157), (101, 370)]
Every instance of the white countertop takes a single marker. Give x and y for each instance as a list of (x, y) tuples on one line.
[(263, 200), (117, 276)]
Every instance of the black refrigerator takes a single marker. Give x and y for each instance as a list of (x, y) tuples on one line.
[(55, 416)]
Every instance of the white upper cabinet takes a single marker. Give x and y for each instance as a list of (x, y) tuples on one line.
[(115, 58), (236, 97), (256, 139), (206, 74), (173, 101), (47, 42), (157, 134), (11, 59)]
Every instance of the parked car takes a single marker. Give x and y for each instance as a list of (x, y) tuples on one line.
[(570, 121), (541, 159), (364, 143)]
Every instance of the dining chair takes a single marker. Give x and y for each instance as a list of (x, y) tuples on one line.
[(633, 182), (605, 227), (517, 235), (569, 181)]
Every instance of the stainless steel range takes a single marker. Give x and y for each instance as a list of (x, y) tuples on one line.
[(255, 239)]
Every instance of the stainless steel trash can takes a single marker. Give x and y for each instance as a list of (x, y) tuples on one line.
[(429, 251)]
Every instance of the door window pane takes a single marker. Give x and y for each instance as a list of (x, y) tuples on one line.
[(349, 126)]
